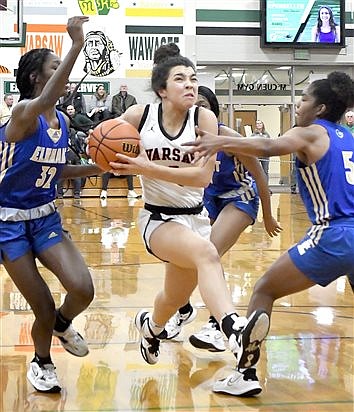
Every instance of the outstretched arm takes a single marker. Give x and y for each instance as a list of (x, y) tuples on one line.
[(72, 171), (25, 113), (294, 140)]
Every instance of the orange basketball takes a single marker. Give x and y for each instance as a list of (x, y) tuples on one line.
[(110, 137)]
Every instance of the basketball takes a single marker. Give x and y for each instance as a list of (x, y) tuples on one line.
[(110, 137)]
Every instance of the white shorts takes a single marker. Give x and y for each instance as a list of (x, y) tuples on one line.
[(148, 222)]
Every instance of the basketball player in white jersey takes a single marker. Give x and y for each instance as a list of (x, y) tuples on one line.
[(174, 224)]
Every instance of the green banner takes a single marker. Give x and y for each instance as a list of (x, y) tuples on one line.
[(85, 87)]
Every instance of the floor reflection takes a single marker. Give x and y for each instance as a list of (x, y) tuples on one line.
[(306, 362)]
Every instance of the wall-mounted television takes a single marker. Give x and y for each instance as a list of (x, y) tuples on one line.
[(303, 23)]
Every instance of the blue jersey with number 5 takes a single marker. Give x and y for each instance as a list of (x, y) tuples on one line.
[(30, 168), (327, 186)]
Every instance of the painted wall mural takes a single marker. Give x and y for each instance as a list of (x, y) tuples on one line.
[(101, 58), (121, 36), (97, 7)]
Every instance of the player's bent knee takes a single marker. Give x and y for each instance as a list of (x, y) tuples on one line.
[(83, 291)]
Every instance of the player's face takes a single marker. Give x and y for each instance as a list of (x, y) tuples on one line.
[(181, 87), (307, 110)]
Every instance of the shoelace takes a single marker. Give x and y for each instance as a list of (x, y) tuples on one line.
[(175, 320), (72, 334), (209, 326), (182, 317), (49, 371)]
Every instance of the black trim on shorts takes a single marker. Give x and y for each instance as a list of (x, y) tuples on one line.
[(174, 210), (158, 217)]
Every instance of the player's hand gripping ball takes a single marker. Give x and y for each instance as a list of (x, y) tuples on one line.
[(110, 137)]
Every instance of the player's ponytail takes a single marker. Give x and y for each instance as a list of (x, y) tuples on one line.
[(336, 92), (165, 51)]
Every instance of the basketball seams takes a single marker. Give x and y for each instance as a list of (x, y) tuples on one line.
[(120, 138), (103, 147), (104, 133)]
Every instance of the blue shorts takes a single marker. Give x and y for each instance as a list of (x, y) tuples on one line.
[(324, 257), (215, 205), (17, 238)]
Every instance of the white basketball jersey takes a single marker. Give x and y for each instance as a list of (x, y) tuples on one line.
[(167, 151)]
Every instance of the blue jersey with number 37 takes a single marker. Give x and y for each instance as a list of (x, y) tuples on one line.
[(30, 168), (327, 186)]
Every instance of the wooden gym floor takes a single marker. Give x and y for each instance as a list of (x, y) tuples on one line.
[(307, 359)]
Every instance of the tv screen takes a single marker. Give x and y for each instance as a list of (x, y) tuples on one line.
[(303, 23)]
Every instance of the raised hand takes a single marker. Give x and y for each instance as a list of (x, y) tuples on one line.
[(74, 28)]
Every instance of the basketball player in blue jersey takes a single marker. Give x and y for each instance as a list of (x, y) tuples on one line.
[(325, 174), (232, 202), (33, 146), (174, 225)]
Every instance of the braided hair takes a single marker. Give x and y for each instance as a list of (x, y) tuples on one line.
[(31, 62)]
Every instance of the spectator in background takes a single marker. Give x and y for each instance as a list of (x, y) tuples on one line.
[(260, 131), (105, 179), (77, 99), (77, 150), (122, 100), (120, 103), (73, 97), (79, 121), (72, 158), (6, 108), (349, 121), (98, 106), (64, 99), (326, 30)]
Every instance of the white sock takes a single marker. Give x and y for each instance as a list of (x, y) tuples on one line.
[(156, 329)]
